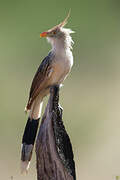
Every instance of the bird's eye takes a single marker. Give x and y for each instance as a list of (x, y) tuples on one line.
[(54, 32)]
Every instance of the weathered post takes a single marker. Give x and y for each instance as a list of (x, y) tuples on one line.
[(54, 153)]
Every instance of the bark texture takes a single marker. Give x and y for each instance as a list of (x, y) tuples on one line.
[(54, 153)]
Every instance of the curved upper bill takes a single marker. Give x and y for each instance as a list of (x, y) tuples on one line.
[(44, 34)]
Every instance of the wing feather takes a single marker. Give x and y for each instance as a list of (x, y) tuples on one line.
[(40, 80)]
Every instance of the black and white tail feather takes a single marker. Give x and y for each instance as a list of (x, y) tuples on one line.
[(28, 143)]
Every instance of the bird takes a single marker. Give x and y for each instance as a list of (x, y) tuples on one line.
[(53, 70)]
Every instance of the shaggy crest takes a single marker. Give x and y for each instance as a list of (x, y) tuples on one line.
[(62, 24)]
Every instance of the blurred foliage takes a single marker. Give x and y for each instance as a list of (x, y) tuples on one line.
[(90, 96), (117, 177)]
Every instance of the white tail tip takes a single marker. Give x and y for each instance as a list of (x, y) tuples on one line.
[(25, 166)]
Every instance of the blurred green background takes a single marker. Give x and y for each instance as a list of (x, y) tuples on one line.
[(91, 94)]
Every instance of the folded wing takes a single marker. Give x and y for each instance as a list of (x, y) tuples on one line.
[(41, 79)]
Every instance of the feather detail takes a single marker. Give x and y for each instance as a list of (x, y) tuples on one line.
[(25, 166), (40, 80)]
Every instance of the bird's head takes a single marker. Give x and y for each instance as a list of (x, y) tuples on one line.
[(58, 32)]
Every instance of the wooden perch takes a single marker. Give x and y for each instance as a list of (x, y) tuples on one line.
[(53, 148)]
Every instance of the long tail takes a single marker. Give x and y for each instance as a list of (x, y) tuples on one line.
[(30, 134)]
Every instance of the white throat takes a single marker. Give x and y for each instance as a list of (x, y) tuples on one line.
[(63, 44)]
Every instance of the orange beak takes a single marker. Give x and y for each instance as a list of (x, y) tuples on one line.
[(44, 34)]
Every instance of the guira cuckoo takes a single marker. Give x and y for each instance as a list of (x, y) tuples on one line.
[(52, 71)]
